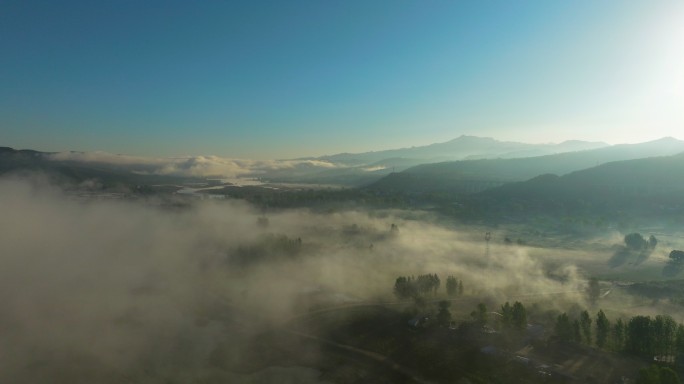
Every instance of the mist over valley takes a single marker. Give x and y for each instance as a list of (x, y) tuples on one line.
[(115, 270), (342, 192)]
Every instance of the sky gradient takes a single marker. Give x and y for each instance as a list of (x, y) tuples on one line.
[(278, 79)]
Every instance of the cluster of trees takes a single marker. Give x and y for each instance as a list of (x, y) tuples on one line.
[(675, 265), (454, 286), (579, 330), (514, 317), (636, 249), (677, 256), (636, 242), (640, 335), (267, 247), (428, 283), (659, 336), (406, 287)]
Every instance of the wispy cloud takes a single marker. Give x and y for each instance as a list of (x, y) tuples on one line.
[(199, 166), (375, 168)]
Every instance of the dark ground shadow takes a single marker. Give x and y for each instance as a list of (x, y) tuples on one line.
[(643, 256), (624, 255), (672, 268), (621, 256)]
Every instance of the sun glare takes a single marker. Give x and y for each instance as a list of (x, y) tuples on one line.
[(658, 69)]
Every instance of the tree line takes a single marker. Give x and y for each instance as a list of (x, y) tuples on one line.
[(406, 287), (512, 317), (640, 335)]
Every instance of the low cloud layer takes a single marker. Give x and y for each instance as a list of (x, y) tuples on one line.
[(126, 292), (197, 166)]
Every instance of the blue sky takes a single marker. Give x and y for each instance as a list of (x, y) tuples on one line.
[(276, 79)]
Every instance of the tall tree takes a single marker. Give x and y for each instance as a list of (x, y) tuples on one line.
[(563, 328), (593, 290), (639, 335), (679, 339), (480, 314), (405, 288), (618, 335), (664, 334), (506, 315), (443, 315), (519, 316), (576, 331), (435, 284), (602, 329), (451, 286), (670, 335), (585, 324)]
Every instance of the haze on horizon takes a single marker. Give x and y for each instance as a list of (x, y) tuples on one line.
[(271, 80)]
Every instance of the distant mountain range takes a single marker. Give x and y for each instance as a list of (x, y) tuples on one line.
[(355, 169), (389, 171), (471, 176), (463, 148)]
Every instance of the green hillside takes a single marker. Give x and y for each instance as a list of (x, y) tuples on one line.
[(473, 176), (645, 188)]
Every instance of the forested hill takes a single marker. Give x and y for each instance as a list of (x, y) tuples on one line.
[(477, 175), (25, 161), (651, 186)]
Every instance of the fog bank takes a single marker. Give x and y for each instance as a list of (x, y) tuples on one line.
[(107, 291)]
